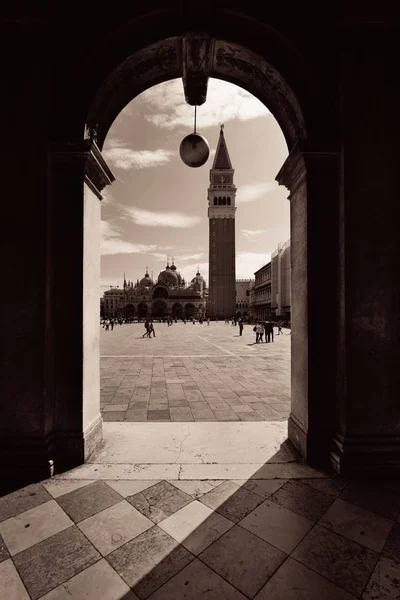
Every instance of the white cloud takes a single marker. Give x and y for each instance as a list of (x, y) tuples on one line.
[(246, 265), (250, 233), (254, 191), (189, 271), (112, 242), (195, 256), (147, 218), (107, 197), (249, 262), (225, 102), (126, 158)]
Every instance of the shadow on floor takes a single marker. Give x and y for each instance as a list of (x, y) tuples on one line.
[(290, 538)]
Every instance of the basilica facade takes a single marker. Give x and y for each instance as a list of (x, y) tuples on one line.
[(169, 296)]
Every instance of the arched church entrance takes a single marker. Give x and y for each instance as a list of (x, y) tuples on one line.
[(190, 310), (160, 309), (143, 310), (111, 75), (177, 311), (129, 311), (160, 292)]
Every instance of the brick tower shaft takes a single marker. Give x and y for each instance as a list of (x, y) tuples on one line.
[(222, 253)]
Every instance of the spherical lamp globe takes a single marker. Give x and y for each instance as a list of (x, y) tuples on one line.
[(194, 150)]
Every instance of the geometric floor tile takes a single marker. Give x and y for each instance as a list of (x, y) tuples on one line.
[(55, 560), (329, 486), (4, 553), (98, 582), (243, 559), (33, 526), (114, 526), (342, 561), (126, 487), (195, 526), (89, 500), (11, 586), (197, 581), (21, 500), (383, 498), (194, 488), (159, 501), (385, 581), (262, 487), (357, 524), (303, 499), (231, 501), (294, 581), (59, 487), (277, 525), (391, 548), (148, 561)]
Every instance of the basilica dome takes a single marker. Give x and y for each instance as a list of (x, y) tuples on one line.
[(199, 280), (146, 281), (173, 269), (169, 276)]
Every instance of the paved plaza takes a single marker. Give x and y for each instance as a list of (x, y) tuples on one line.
[(193, 373)]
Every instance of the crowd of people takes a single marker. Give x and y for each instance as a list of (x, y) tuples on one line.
[(260, 327)]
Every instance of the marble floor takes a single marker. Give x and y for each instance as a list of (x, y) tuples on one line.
[(306, 536), (193, 373)]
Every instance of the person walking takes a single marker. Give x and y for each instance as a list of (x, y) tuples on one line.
[(151, 328), (269, 332), (240, 326), (147, 326), (259, 332)]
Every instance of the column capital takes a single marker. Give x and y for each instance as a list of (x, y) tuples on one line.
[(86, 154), (300, 162)]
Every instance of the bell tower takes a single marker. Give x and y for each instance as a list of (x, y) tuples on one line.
[(221, 215)]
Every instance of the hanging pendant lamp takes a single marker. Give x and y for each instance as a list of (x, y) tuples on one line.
[(194, 149)]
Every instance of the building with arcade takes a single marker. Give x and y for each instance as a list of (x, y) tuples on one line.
[(169, 296)]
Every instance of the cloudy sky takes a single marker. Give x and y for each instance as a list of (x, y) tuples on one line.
[(157, 207)]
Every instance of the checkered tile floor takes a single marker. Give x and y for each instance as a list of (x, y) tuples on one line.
[(273, 539)]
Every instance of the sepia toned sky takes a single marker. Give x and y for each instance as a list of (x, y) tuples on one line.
[(157, 207)]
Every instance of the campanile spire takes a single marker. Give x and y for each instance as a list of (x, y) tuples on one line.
[(221, 215)]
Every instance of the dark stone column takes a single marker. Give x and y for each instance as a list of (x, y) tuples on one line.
[(26, 404), (368, 418), (313, 181), (46, 425)]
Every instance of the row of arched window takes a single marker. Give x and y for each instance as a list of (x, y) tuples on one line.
[(222, 201)]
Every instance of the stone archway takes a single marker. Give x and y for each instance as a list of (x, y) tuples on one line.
[(307, 172), (303, 173), (310, 173)]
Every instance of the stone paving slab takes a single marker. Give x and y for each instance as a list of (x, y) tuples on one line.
[(193, 373), (291, 538)]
